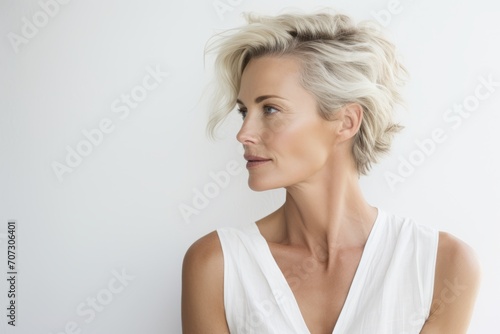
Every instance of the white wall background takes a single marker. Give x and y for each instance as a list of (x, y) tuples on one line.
[(117, 212)]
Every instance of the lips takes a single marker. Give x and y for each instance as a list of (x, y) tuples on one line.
[(254, 158), (255, 161)]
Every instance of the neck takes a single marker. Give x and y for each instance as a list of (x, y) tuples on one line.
[(327, 218)]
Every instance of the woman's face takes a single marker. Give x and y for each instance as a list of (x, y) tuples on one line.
[(281, 123)]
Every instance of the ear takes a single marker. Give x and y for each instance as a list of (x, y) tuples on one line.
[(351, 116)]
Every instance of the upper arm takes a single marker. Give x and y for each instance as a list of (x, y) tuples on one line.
[(456, 284), (202, 306)]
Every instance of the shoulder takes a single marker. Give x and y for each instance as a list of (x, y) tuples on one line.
[(455, 258), (203, 262), (205, 250), (451, 245), (204, 259), (203, 287), (456, 284)]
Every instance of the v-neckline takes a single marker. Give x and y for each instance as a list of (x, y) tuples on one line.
[(295, 315)]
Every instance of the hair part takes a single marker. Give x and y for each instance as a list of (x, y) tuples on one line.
[(341, 63)]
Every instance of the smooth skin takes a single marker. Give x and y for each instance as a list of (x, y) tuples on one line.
[(325, 219)]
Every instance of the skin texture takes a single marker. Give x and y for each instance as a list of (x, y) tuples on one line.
[(325, 220)]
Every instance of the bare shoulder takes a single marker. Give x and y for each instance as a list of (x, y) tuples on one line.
[(455, 258), (456, 284), (206, 248), (202, 287)]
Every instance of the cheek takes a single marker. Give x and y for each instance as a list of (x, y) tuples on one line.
[(275, 128), (302, 146)]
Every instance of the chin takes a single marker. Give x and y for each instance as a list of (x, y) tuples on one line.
[(257, 187), (261, 186)]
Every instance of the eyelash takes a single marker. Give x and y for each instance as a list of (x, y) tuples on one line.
[(243, 110)]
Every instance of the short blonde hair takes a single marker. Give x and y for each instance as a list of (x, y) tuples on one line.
[(341, 63)]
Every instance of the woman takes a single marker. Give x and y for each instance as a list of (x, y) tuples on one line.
[(316, 93)]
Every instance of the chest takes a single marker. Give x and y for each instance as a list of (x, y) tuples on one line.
[(320, 285)]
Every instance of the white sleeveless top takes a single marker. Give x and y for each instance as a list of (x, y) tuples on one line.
[(391, 292)]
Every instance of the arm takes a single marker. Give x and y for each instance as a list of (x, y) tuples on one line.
[(456, 285), (202, 287)]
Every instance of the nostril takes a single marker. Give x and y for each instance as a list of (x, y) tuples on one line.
[(244, 136)]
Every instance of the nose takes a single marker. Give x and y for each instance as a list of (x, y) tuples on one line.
[(248, 132)]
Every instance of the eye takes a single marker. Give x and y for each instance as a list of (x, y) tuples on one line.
[(243, 112), (267, 108)]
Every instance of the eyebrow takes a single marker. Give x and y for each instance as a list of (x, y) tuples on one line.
[(261, 98)]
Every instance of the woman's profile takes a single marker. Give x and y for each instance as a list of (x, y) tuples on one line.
[(317, 94)]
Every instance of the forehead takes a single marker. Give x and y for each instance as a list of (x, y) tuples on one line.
[(270, 75)]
